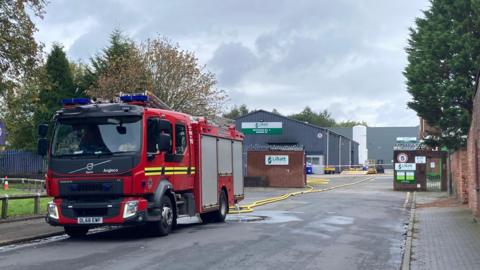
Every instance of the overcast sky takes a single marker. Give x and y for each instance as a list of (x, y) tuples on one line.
[(346, 56)]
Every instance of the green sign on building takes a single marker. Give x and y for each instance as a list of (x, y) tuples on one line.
[(265, 128), (405, 176)]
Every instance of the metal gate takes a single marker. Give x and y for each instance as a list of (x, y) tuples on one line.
[(434, 174)]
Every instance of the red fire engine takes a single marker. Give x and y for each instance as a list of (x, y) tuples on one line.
[(128, 163)]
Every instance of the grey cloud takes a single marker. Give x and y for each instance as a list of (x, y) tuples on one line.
[(344, 55), (89, 44), (232, 61)]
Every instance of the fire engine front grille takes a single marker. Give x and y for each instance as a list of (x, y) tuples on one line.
[(91, 187), (91, 212), (81, 207)]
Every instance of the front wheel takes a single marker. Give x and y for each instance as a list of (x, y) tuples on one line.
[(76, 232), (165, 224)]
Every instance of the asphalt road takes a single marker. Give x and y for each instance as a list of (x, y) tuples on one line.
[(357, 227)]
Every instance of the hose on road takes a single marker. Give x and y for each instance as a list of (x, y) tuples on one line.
[(240, 209)]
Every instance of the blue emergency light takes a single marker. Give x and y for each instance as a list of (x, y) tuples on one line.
[(134, 98), (75, 101)]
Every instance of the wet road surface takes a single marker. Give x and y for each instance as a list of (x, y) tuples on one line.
[(356, 227)]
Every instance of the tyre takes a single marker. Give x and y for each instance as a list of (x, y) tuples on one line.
[(76, 232), (165, 224), (220, 214)]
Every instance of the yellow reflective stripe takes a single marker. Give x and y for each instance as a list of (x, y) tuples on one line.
[(152, 173), (168, 170), (153, 168)]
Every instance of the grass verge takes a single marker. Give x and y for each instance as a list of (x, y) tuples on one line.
[(23, 207)]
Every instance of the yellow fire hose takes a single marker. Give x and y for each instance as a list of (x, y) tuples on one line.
[(249, 207)]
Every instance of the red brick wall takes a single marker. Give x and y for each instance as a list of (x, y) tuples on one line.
[(466, 163), (459, 175), (291, 175)]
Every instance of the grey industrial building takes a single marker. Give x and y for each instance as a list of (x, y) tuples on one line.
[(322, 146), (380, 140)]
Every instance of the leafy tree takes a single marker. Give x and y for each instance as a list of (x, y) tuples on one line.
[(20, 107), (19, 53), (443, 58), (125, 73), (236, 112), (177, 79), (322, 119), (120, 46), (57, 84), (158, 66), (80, 74), (117, 54)]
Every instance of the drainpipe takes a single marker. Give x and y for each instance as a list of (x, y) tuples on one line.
[(328, 148), (339, 153), (350, 153)]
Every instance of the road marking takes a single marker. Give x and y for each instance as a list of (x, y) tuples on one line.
[(317, 181), (407, 199)]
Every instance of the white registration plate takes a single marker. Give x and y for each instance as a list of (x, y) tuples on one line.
[(90, 220)]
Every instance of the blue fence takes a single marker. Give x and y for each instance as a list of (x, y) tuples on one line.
[(21, 163)]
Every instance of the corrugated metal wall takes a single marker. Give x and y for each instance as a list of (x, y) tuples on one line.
[(308, 137), (380, 140), (312, 138), (21, 163), (345, 152), (333, 158), (354, 152)]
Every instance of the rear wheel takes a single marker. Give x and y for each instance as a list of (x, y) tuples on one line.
[(220, 214), (165, 224), (76, 232)]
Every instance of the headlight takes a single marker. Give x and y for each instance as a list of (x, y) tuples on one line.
[(130, 209), (52, 210)]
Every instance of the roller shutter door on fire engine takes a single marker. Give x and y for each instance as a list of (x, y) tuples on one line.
[(237, 169), (209, 171)]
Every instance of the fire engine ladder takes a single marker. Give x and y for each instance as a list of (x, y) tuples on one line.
[(155, 102)]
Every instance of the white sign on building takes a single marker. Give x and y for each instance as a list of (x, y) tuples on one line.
[(420, 159), (405, 166), (276, 159)]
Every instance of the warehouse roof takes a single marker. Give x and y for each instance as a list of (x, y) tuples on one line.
[(297, 121)]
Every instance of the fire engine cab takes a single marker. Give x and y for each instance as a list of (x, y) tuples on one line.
[(131, 163)]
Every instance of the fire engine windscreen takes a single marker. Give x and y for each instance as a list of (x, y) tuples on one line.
[(97, 136)]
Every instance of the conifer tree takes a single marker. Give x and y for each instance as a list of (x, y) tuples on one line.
[(443, 59)]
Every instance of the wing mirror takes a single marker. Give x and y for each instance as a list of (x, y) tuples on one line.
[(42, 130), (42, 146)]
